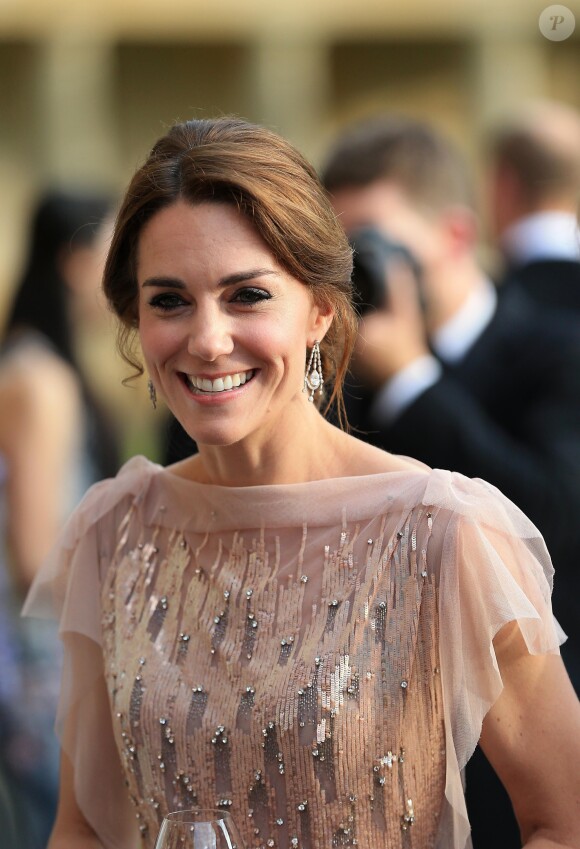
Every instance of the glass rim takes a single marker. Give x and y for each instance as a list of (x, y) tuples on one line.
[(197, 815)]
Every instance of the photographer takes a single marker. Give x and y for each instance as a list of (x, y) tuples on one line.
[(446, 371)]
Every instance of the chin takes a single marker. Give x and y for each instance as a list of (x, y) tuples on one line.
[(216, 437)]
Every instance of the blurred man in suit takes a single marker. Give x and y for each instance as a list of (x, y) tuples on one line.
[(534, 197), (447, 372)]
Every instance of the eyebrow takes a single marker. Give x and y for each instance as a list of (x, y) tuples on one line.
[(228, 280)]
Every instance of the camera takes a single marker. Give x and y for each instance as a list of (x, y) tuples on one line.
[(373, 253)]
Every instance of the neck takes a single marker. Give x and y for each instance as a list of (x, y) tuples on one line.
[(556, 203), (296, 450), (448, 289)]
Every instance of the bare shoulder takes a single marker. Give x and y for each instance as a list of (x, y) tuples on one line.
[(36, 385), (190, 468), (361, 458), (36, 372)]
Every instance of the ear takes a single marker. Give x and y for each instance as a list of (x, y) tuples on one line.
[(321, 319), (506, 199), (461, 227)]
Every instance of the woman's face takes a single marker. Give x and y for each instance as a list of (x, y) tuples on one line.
[(223, 328)]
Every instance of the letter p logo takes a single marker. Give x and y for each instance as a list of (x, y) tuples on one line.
[(557, 23)]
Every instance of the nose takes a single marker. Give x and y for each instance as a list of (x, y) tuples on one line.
[(210, 334)]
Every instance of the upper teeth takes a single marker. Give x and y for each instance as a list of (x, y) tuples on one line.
[(230, 381)]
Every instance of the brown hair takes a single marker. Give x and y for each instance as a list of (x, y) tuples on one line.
[(233, 161), (423, 163), (541, 167)]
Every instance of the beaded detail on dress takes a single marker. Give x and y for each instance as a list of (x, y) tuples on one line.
[(383, 592), (289, 675)]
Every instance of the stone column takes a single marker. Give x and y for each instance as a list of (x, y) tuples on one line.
[(290, 81), (507, 68), (78, 141)]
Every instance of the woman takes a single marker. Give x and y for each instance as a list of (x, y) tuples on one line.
[(52, 441), (45, 397), (291, 624)]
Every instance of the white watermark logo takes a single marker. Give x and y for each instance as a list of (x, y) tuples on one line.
[(557, 23)]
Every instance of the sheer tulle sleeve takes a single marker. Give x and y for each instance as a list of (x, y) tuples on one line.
[(495, 569), (68, 587)]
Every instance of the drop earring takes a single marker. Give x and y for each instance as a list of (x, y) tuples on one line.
[(313, 381), (152, 393)]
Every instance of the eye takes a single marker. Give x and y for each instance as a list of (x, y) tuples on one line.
[(251, 295), (167, 301)]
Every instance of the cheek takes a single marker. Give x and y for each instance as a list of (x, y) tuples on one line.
[(285, 340), (158, 339)]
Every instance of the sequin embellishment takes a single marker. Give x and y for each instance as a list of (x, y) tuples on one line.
[(281, 683)]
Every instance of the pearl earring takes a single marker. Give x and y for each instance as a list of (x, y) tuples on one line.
[(313, 381)]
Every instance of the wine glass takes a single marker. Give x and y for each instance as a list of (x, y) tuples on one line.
[(209, 828)]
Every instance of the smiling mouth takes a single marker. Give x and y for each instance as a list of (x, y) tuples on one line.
[(206, 386)]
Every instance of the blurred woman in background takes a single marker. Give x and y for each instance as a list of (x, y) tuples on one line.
[(54, 442)]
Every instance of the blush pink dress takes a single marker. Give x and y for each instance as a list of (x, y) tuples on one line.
[(315, 658)]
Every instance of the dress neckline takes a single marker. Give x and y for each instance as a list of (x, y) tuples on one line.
[(172, 500), (415, 467)]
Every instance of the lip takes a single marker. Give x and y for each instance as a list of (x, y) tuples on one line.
[(216, 397)]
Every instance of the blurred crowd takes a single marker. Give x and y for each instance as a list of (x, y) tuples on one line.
[(460, 365), (55, 441), (460, 370)]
